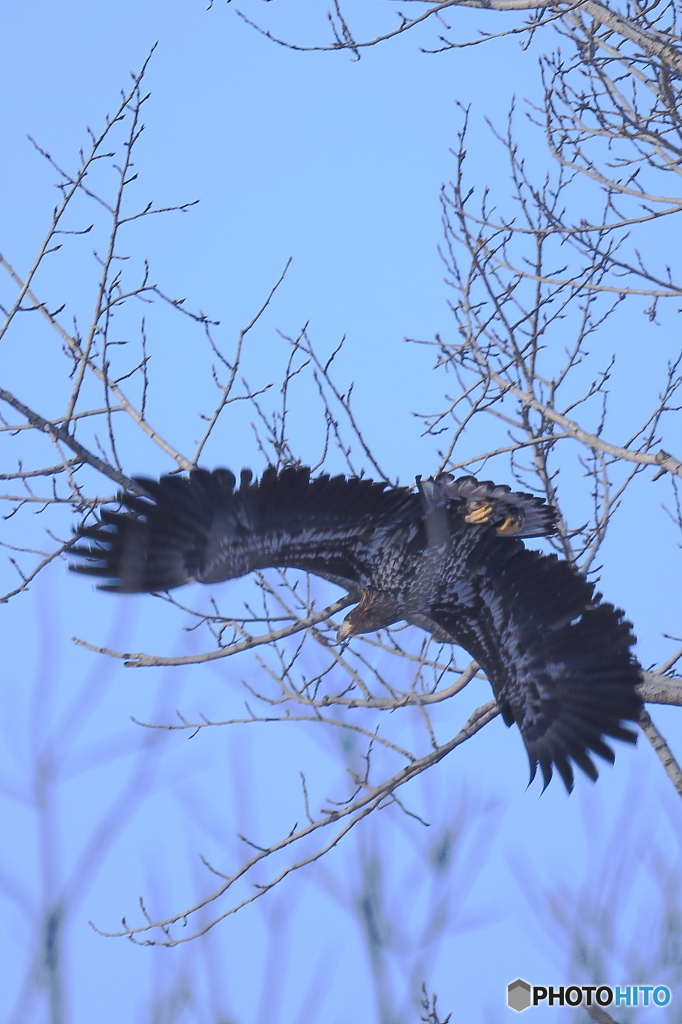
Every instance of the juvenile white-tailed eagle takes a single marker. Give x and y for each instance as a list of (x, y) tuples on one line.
[(446, 557)]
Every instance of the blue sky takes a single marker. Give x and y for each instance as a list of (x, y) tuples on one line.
[(337, 165)]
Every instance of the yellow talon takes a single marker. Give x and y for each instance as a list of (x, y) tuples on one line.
[(479, 514), (510, 525)]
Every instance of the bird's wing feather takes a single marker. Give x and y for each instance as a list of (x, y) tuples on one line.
[(202, 527), (559, 661)]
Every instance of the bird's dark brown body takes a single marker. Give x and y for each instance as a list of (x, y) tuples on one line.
[(447, 557)]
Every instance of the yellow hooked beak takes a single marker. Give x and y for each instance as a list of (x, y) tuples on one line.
[(344, 631)]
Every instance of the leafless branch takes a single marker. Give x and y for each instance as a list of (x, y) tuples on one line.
[(350, 814)]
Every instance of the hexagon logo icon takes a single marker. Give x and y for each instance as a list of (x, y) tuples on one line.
[(518, 995)]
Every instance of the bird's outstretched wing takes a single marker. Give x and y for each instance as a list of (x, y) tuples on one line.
[(202, 527), (448, 559), (558, 659)]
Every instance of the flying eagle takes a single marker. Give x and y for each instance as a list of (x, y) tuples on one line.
[(447, 557)]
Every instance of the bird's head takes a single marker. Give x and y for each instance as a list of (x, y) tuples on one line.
[(375, 610)]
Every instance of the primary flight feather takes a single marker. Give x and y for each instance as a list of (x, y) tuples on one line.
[(447, 557)]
